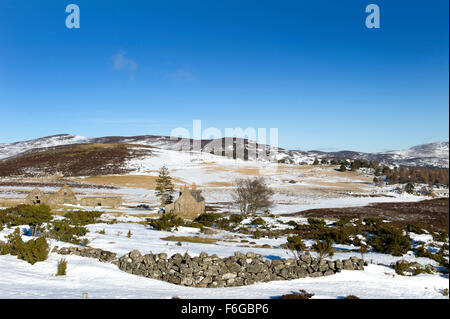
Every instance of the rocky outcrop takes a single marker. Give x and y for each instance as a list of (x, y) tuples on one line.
[(238, 270), (97, 253)]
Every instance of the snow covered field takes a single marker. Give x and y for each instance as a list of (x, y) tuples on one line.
[(103, 280), (297, 188)]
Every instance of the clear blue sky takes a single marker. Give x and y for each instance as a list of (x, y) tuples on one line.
[(309, 68)]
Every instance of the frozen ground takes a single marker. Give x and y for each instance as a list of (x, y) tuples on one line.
[(297, 189), (103, 280)]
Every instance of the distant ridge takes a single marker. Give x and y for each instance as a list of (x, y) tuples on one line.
[(434, 154)]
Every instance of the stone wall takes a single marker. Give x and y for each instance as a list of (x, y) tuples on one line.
[(237, 270), (97, 253)]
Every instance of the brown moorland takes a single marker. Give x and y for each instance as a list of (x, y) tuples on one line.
[(74, 160), (428, 214)]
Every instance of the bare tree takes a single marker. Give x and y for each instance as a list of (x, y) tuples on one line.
[(252, 194)]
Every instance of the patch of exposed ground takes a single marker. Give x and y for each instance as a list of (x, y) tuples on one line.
[(137, 181), (74, 160), (429, 214)]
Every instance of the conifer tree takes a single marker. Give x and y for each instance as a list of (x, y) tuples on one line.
[(164, 186)]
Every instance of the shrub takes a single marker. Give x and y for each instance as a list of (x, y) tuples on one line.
[(102, 232), (323, 248), (129, 234), (342, 222), (63, 231), (31, 215), (236, 218), (340, 236), (400, 267), (438, 257), (373, 223), (208, 219), (414, 229), (62, 266), (292, 223), (409, 188), (296, 245), (32, 251), (390, 240), (441, 236), (83, 217), (166, 222), (316, 224), (351, 297), (223, 223), (257, 234), (258, 221), (193, 224)]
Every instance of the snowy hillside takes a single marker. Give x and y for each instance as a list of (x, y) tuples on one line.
[(12, 149), (434, 154)]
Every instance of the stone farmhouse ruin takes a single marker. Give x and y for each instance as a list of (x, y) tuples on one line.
[(189, 204), (66, 196)]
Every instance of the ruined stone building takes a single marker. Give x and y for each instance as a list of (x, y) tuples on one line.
[(36, 197), (190, 203), (66, 196), (114, 202)]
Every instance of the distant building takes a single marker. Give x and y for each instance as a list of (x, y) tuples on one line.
[(113, 202), (190, 203), (66, 196), (36, 197)]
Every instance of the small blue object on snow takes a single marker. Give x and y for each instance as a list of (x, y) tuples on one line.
[(27, 231)]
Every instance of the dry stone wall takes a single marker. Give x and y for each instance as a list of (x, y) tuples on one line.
[(213, 271), (97, 253), (238, 270)]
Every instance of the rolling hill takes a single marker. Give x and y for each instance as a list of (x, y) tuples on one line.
[(73, 155)]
